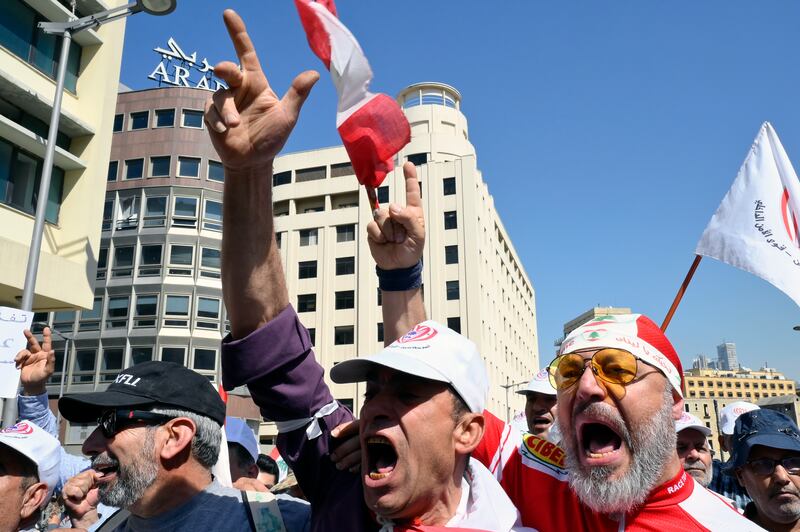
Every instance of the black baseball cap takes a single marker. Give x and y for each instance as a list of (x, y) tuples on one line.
[(769, 428), (152, 383)]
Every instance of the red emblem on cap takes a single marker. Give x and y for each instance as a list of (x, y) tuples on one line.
[(420, 333), (19, 428)]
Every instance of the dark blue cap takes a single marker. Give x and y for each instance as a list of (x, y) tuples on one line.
[(761, 427)]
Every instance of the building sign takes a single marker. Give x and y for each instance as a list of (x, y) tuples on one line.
[(181, 70)]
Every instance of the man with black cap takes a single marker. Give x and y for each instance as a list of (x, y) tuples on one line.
[(158, 436), (766, 461)]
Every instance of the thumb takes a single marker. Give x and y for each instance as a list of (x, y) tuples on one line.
[(402, 215), (298, 92)]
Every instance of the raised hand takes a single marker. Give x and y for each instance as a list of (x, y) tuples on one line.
[(247, 122), (397, 235), (36, 363), (81, 497)]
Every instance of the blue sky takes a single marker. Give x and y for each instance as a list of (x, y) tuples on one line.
[(608, 133)]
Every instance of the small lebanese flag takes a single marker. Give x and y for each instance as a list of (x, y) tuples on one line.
[(755, 226), (372, 126)]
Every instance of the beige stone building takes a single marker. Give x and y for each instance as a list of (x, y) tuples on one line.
[(28, 64)]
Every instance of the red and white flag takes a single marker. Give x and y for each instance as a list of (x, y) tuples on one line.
[(755, 226), (372, 126)]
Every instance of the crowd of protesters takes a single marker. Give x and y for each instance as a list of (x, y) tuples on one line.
[(608, 446)]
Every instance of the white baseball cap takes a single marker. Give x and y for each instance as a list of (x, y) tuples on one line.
[(688, 421), (729, 415), (238, 431), (432, 351), (37, 445), (540, 383)]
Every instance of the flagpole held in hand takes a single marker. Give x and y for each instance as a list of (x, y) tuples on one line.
[(680, 293)]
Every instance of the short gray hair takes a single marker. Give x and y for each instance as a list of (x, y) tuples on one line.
[(207, 438)]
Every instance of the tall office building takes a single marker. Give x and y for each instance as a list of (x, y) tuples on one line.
[(726, 356), (158, 289), (28, 65)]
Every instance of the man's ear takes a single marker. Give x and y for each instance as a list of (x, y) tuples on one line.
[(252, 471), (468, 432), (179, 434), (739, 477), (33, 499), (677, 406)]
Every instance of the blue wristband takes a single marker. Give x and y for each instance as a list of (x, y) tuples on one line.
[(401, 279)]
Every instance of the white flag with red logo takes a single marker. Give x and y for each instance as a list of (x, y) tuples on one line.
[(755, 226), (372, 126)]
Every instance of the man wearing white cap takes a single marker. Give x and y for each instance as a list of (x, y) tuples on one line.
[(540, 404), (242, 448), (726, 485), (29, 458), (693, 449)]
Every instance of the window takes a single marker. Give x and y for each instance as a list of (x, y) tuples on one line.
[(128, 215), (281, 178), (210, 263), (139, 120), (113, 169), (111, 363), (380, 296), (117, 312), (64, 320), (174, 354), (20, 174), (83, 369), (141, 354), (181, 259), (342, 169), (207, 313), (278, 239), (118, 123), (383, 194), (192, 118), (212, 217), (307, 269), (215, 171), (308, 237), (418, 158), (146, 310), (312, 335), (184, 212), (165, 117), (306, 302), (345, 265), (345, 299), (449, 186), (344, 335), (309, 174), (451, 255), (452, 290), (176, 313), (155, 211), (380, 332), (123, 261), (188, 167), (345, 233), (455, 324), (108, 214), (134, 168), (150, 260), (205, 359), (450, 220), (90, 319), (159, 166)]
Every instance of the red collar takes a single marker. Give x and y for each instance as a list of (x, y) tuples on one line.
[(675, 491)]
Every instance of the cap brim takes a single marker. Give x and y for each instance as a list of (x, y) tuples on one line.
[(775, 441), (705, 431), (359, 369), (86, 407)]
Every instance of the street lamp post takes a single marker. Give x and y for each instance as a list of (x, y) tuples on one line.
[(508, 385), (66, 30)]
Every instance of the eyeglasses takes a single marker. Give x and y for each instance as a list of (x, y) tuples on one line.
[(112, 421), (766, 466), (616, 367)]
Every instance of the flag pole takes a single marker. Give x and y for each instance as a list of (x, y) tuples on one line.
[(680, 293)]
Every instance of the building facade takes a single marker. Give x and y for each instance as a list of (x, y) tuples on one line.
[(28, 65), (726, 356)]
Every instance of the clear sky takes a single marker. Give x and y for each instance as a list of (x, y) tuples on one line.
[(608, 133)]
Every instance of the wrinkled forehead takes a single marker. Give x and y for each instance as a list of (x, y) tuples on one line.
[(692, 436)]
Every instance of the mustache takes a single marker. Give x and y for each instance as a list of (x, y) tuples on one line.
[(694, 464), (104, 460), (781, 490)]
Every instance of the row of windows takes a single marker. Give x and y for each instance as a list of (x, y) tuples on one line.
[(728, 384), (20, 175), (310, 237), (191, 118), (307, 269), (181, 260), (748, 395), (345, 299), (161, 166), (129, 213)]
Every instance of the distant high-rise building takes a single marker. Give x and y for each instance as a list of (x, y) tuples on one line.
[(726, 356), (701, 362)]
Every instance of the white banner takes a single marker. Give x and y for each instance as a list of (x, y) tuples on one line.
[(12, 341), (755, 226)]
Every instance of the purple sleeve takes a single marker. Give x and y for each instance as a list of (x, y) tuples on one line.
[(286, 382)]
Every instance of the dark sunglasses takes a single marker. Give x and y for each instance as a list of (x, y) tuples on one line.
[(613, 366), (112, 421), (766, 466)]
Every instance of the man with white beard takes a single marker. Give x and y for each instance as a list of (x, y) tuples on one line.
[(693, 448)]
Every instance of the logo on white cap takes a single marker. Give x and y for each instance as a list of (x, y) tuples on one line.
[(420, 333)]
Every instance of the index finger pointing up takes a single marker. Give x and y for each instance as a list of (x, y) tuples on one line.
[(245, 50), (413, 198)]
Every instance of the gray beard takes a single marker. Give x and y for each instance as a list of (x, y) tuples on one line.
[(651, 444), (132, 479)]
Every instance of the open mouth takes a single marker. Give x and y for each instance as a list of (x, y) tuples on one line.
[(541, 421), (599, 441), (106, 467), (381, 457)]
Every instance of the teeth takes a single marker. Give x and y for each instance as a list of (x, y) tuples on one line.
[(377, 476), (377, 439), (590, 454)]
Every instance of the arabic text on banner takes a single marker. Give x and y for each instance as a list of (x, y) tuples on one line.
[(12, 341)]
